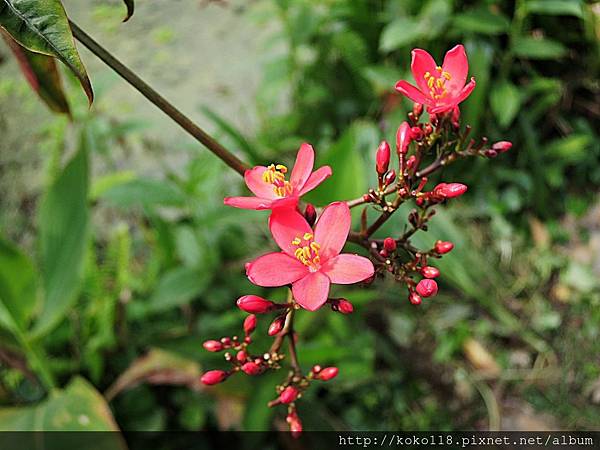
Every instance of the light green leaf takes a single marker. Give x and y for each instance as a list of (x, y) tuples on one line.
[(402, 31), (145, 192), (481, 20), (505, 100), (532, 48), (42, 26), (103, 184), (176, 288), (64, 231), (555, 7)]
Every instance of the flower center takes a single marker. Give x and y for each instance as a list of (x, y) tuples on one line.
[(437, 83), (275, 175), (308, 251)]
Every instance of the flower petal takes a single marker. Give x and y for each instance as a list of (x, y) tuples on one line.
[(275, 269), (348, 269), (410, 91), (248, 202), (311, 292), (315, 179), (303, 166), (285, 203), (257, 185), (422, 62), (332, 229), (457, 65), (286, 225), (466, 91)]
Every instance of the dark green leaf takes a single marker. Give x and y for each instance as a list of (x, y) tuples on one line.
[(481, 20), (402, 31), (505, 100), (177, 288), (532, 48), (555, 7), (480, 59), (42, 26)]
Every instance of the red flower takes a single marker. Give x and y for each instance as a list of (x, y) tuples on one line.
[(310, 260), (271, 188), (439, 88)]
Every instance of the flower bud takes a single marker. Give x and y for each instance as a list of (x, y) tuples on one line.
[(414, 298), (250, 324), (341, 305), (213, 346), (295, 424), (416, 133), (288, 395), (251, 368), (383, 158), (417, 109), (327, 373), (410, 162), (428, 129), (255, 305), (434, 119), (430, 272), (403, 138), (226, 341), (449, 190), (456, 117), (490, 153), (443, 247), (502, 146), (427, 288), (241, 356), (276, 326), (310, 214), (389, 177), (316, 369), (214, 377), (389, 244)]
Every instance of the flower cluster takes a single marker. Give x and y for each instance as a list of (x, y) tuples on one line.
[(310, 258)]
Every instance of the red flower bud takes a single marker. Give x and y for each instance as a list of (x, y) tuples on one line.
[(456, 117), (410, 162), (255, 305), (450, 190), (276, 325), (316, 369), (502, 146), (295, 424), (226, 341), (416, 133), (341, 305), (434, 119), (250, 324), (490, 153), (417, 109), (251, 368), (213, 346), (389, 177), (414, 298), (427, 288), (214, 377), (382, 158), (389, 244), (430, 272), (327, 373), (428, 129), (310, 214), (442, 247), (403, 138), (241, 356), (288, 395)]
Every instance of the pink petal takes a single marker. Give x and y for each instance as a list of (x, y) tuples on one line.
[(248, 202), (275, 269), (422, 62), (450, 102), (466, 91), (332, 229), (410, 91), (286, 225), (457, 65), (257, 185), (311, 292), (315, 179), (303, 166), (285, 203), (348, 269)]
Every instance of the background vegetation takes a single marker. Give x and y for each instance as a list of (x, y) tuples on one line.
[(118, 258)]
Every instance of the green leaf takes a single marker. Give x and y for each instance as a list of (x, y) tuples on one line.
[(42, 26), (532, 48), (505, 100), (481, 20), (555, 7), (143, 191), (79, 407), (130, 8), (63, 233), (382, 78), (399, 33), (18, 286), (176, 288), (481, 55), (42, 74)]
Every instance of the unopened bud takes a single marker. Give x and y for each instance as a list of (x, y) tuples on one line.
[(502, 146), (276, 325), (327, 373), (403, 138), (316, 369), (414, 298), (383, 158), (288, 395), (417, 109), (443, 247), (428, 129), (389, 244), (449, 190), (295, 424), (341, 305), (251, 368), (490, 153), (434, 119), (416, 133), (427, 288), (389, 177), (241, 356), (213, 346), (213, 377), (410, 162), (456, 117), (310, 214), (250, 324), (254, 304), (430, 272)]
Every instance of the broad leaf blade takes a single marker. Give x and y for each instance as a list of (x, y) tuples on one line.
[(42, 26), (42, 74), (64, 224)]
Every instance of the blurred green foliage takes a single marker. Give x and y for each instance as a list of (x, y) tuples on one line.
[(119, 262)]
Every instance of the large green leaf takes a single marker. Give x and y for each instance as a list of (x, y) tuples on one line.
[(481, 20), (177, 287), (42, 26), (533, 48), (555, 7), (64, 224), (42, 74), (505, 100)]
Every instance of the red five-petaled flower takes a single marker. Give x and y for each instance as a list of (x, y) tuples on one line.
[(273, 190), (310, 260), (440, 88)]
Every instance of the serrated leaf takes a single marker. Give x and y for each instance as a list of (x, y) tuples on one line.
[(505, 100), (532, 48), (481, 20), (42, 75), (555, 7), (130, 9), (42, 26)]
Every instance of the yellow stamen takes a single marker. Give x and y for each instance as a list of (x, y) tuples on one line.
[(308, 251), (275, 175)]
